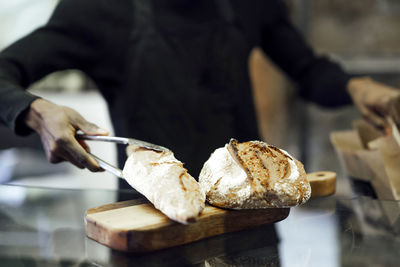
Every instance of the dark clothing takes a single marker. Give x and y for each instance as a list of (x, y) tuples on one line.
[(173, 72), (188, 91)]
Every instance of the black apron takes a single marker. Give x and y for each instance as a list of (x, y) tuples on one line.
[(190, 89)]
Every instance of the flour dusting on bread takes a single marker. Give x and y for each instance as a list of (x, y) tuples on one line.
[(163, 180), (252, 175)]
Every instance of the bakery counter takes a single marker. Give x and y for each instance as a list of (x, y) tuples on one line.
[(45, 227)]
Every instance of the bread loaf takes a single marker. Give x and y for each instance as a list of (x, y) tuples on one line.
[(253, 175), (163, 180)]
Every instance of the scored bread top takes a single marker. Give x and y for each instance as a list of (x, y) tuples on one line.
[(252, 175)]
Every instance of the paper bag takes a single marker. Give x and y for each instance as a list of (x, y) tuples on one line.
[(369, 155)]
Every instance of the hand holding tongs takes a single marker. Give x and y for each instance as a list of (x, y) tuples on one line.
[(118, 140)]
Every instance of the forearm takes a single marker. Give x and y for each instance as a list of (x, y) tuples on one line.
[(320, 80), (14, 101), (68, 41)]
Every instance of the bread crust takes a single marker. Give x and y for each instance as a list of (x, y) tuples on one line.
[(164, 181), (253, 175)]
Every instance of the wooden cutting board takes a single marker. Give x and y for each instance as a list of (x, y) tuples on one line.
[(136, 227), (127, 226)]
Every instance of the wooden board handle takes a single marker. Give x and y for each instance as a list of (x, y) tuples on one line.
[(322, 183)]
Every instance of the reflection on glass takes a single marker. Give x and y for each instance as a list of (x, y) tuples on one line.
[(311, 239)]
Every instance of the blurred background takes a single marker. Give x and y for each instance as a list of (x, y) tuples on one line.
[(361, 34)]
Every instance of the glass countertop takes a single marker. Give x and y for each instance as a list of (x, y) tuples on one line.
[(45, 227)]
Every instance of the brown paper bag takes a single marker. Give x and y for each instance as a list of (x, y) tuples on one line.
[(368, 155), (390, 151), (357, 161)]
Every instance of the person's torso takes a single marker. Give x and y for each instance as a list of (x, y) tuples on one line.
[(185, 81)]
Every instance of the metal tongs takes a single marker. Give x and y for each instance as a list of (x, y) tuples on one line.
[(118, 140)]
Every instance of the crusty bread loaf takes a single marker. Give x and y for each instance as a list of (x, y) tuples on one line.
[(163, 180), (252, 175)]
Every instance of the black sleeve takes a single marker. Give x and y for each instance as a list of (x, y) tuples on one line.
[(320, 80), (71, 39)]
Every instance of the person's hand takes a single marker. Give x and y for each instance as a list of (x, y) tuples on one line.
[(57, 126), (375, 101)]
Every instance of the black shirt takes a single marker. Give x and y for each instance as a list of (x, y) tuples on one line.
[(98, 37)]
